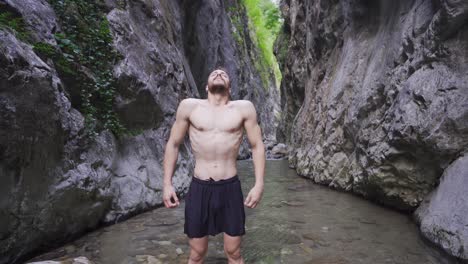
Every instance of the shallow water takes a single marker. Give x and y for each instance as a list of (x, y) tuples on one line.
[(296, 222)]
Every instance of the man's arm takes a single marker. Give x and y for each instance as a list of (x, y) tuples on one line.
[(178, 131), (254, 135)]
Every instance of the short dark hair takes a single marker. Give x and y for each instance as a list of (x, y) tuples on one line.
[(220, 68)]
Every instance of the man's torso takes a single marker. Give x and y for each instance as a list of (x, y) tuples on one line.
[(215, 136)]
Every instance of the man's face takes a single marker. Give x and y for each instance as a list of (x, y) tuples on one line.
[(218, 81)]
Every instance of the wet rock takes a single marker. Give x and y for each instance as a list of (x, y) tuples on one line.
[(286, 251), (298, 221), (78, 260), (293, 203), (276, 204), (311, 236), (279, 151), (327, 260), (138, 229), (180, 240), (316, 239), (81, 260), (306, 248), (70, 249), (139, 236), (298, 188), (443, 216), (164, 243), (147, 259), (350, 227), (367, 221), (161, 223), (348, 239)]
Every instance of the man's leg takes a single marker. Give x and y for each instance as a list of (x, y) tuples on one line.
[(232, 249), (198, 249)]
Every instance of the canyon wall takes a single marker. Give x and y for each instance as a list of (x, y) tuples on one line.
[(375, 102), (56, 181)]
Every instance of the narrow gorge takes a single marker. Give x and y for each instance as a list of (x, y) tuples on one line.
[(370, 98)]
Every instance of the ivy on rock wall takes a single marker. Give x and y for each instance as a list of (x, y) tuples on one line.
[(14, 22), (84, 59)]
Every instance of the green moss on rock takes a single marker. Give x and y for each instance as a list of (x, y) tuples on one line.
[(86, 56), (15, 23)]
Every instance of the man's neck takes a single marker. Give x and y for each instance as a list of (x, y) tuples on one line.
[(218, 99)]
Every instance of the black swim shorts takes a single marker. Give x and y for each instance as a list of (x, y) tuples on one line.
[(212, 207)]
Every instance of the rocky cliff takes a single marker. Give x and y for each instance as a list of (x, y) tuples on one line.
[(88, 92), (378, 95)]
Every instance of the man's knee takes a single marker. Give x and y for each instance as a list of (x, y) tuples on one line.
[(198, 249), (233, 252), (197, 254)]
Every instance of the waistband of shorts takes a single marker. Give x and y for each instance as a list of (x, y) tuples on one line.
[(213, 182)]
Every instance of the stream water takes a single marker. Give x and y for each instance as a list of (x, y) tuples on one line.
[(296, 221)]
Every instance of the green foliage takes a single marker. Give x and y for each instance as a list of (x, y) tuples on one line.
[(44, 49), (134, 132), (15, 23), (84, 56), (273, 19), (87, 57), (62, 63), (266, 21)]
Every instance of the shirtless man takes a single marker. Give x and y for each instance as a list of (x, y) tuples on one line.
[(215, 202)]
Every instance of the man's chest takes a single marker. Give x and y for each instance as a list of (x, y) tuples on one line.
[(206, 120)]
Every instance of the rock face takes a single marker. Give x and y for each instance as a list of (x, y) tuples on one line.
[(443, 215), (378, 92), (55, 182)]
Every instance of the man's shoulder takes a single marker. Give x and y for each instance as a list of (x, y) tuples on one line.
[(246, 108), (243, 103), (190, 102), (187, 105)]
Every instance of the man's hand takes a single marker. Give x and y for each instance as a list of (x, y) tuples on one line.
[(254, 196), (168, 193)]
